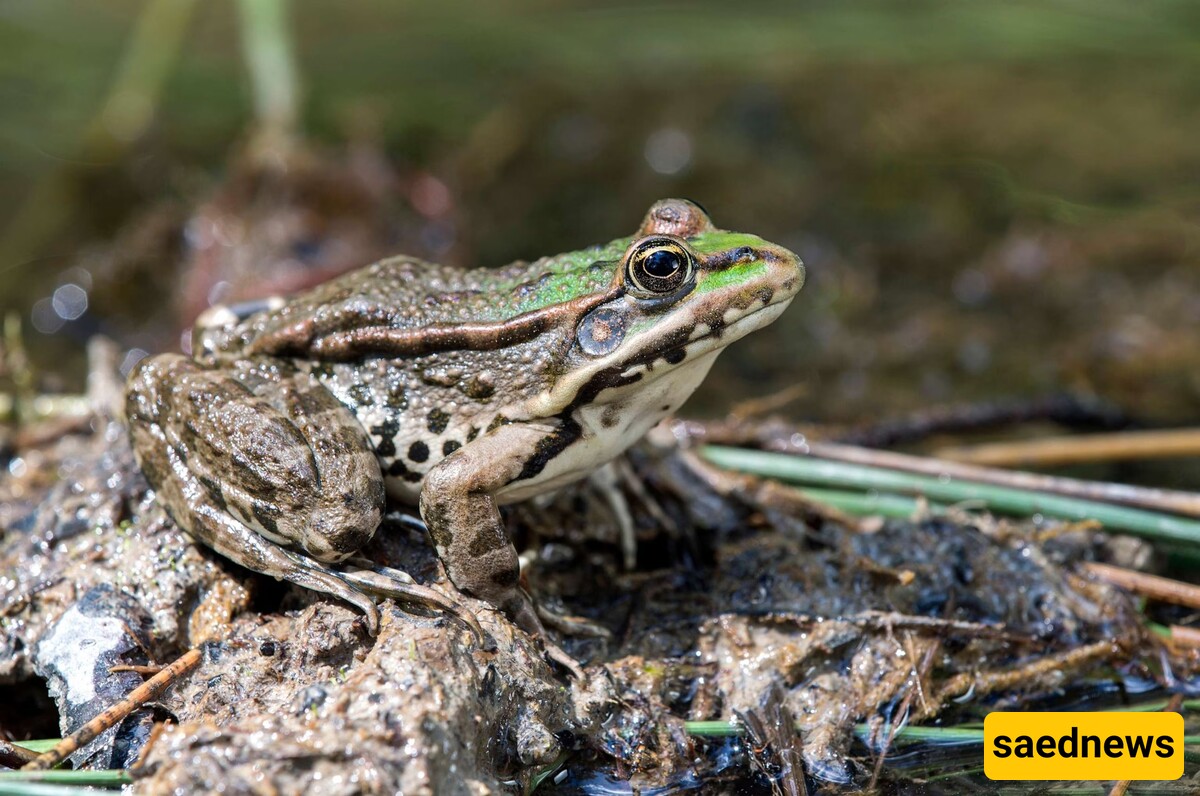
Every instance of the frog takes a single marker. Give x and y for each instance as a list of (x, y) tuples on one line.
[(292, 426)]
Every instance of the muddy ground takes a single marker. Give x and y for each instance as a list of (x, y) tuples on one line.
[(745, 604)]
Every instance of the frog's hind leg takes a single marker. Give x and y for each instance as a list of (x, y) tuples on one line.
[(257, 459), (459, 507)]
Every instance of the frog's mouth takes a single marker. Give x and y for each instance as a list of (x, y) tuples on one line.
[(662, 376), (706, 336)]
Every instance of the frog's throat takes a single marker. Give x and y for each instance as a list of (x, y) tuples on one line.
[(305, 338)]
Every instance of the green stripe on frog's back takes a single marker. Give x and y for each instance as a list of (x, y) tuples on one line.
[(443, 308)]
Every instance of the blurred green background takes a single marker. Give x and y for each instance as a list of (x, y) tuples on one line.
[(993, 199)]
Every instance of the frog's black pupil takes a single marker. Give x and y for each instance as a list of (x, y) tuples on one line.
[(662, 263)]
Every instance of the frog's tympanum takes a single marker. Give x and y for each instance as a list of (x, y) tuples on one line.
[(457, 390)]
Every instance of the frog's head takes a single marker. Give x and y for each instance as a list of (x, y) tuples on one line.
[(682, 291)]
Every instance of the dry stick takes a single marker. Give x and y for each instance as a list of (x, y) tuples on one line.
[(1187, 503), (981, 683), (1153, 586), (111, 716), (1053, 451), (1182, 636), (12, 755)]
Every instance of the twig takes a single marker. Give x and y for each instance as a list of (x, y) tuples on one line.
[(888, 620), (757, 407), (114, 714), (13, 756), (1181, 636), (45, 407), (1055, 451), (129, 667), (1153, 586), (982, 683)]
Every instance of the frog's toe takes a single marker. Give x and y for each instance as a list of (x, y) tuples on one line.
[(399, 585), (312, 575), (572, 625), (520, 609), (559, 656)]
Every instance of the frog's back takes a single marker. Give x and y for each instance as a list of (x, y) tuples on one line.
[(403, 294)]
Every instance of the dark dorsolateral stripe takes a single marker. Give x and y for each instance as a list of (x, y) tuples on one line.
[(305, 338)]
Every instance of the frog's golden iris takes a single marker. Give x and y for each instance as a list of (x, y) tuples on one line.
[(659, 265)]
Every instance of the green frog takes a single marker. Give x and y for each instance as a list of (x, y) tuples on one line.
[(279, 441)]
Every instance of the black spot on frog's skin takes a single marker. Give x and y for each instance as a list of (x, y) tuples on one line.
[(266, 516), (472, 433), (214, 492), (497, 421), (611, 416), (322, 370), (480, 387), (484, 543), (386, 431), (418, 452), (361, 394), (438, 420), (676, 356), (506, 577), (450, 446), (397, 398), (397, 469)]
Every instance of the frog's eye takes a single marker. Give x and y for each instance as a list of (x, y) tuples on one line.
[(659, 265)]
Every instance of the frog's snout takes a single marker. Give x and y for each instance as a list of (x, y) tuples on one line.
[(786, 268)]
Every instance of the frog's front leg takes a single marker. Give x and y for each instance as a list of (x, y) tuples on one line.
[(261, 463), (459, 507)]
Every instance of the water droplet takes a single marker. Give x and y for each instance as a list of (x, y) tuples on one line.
[(70, 301)]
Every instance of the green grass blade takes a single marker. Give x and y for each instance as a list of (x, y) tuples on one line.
[(114, 778), (811, 471), (40, 745)]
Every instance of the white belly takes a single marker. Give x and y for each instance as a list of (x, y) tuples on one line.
[(610, 427)]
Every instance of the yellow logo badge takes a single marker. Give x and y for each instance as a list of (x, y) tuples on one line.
[(1083, 746)]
